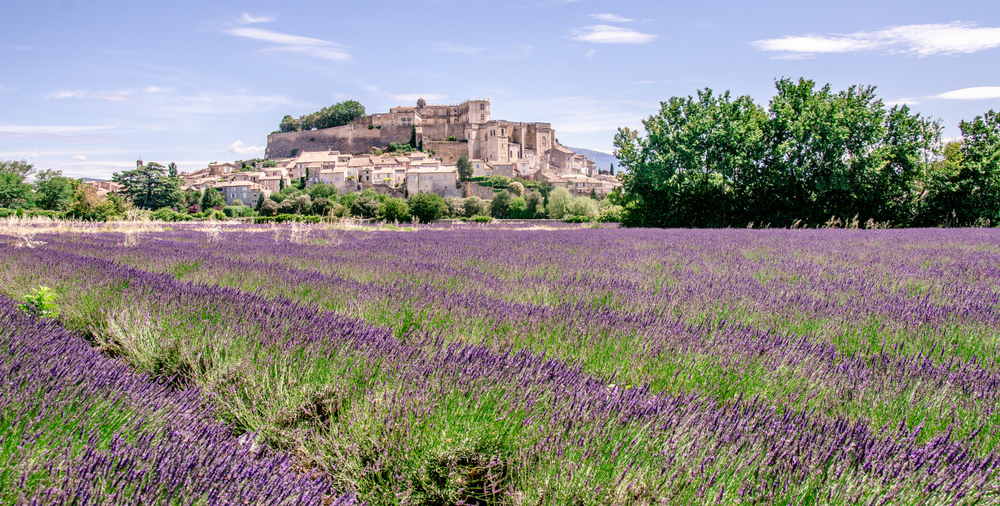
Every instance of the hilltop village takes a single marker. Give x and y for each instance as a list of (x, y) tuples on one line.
[(371, 153)]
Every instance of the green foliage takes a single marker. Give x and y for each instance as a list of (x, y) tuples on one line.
[(516, 188), (456, 207), (712, 161), (534, 205), (474, 205), (559, 201), (609, 212), (413, 139), (268, 207), (286, 218), (480, 218), (15, 192), (399, 148), (322, 206), (335, 115), (211, 199), (451, 138), (40, 303), (238, 211), (464, 166), (395, 210), (322, 190), (53, 191), (572, 218), (366, 205), (269, 164), (499, 181), (500, 206), (427, 207), (584, 207), (168, 214), (149, 186)]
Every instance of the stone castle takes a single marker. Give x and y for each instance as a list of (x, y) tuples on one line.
[(447, 130)]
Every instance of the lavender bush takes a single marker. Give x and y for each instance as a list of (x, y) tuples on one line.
[(571, 367)]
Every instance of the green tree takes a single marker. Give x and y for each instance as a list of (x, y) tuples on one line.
[(366, 205), (413, 137), (322, 190), (268, 207), (978, 185), (612, 169), (53, 191), (15, 192), (395, 210), (559, 201), (322, 206), (427, 207), (149, 186), (534, 204), (288, 124), (335, 115), (712, 161), (464, 166), (211, 198), (18, 167), (500, 206), (516, 188), (474, 206), (584, 207)]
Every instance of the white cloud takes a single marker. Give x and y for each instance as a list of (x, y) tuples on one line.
[(412, 97), (49, 129), (918, 40), (590, 54), (316, 48), (8, 89), (606, 34), (79, 157), (901, 101), (238, 148), (247, 19), (975, 93), (610, 18), (60, 94), (33, 154), (157, 89)]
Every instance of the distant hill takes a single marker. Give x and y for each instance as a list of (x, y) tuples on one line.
[(601, 159)]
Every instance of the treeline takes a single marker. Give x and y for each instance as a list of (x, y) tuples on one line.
[(26, 191), (813, 156), (513, 202), (327, 117)]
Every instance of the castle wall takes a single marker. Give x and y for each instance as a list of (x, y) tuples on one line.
[(354, 138)]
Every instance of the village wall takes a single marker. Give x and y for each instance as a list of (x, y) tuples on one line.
[(356, 138), (447, 151)]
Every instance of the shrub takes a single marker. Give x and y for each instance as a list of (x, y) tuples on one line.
[(238, 211), (4, 212), (269, 207), (474, 205), (394, 209), (583, 206), (40, 304), (500, 207), (479, 218), (516, 188), (427, 207), (575, 219), (168, 214), (451, 138), (559, 202)]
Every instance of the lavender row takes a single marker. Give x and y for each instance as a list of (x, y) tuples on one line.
[(80, 428), (422, 420)]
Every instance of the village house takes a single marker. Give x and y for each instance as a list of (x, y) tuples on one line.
[(501, 168), (440, 179), (249, 194)]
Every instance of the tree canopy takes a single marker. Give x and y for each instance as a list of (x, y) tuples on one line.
[(335, 115), (149, 186), (813, 154)]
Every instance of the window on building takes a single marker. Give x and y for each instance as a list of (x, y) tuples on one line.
[(482, 107), (482, 117)]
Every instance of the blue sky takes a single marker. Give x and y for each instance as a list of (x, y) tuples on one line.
[(88, 87)]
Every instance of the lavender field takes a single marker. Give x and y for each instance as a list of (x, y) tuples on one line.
[(499, 365)]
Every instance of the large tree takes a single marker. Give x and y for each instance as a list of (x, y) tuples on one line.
[(53, 191), (712, 161), (149, 186), (14, 188), (464, 167), (342, 113), (427, 207)]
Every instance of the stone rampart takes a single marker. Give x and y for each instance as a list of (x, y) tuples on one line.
[(355, 138)]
